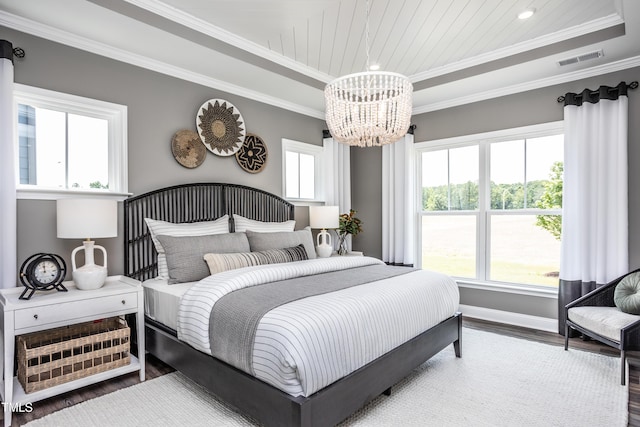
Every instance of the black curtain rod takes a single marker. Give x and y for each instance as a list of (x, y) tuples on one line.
[(18, 52), (7, 51), (632, 85)]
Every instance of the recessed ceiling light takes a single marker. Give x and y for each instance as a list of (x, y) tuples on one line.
[(526, 14), (374, 67)]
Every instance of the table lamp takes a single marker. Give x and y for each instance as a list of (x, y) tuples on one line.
[(324, 217), (86, 219)]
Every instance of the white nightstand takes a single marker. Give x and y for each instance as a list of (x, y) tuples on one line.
[(352, 253), (50, 309)]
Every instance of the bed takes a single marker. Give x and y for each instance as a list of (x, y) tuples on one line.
[(235, 376)]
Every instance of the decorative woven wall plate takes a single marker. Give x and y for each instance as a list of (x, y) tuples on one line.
[(188, 149), (221, 127), (252, 156)]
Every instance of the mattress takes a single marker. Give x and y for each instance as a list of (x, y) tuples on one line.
[(162, 301)]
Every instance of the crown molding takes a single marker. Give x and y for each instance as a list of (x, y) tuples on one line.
[(532, 85), (69, 39), (169, 12), (190, 21), (539, 42), (47, 32)]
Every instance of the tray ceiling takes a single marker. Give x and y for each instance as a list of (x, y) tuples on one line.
[(283, 52)]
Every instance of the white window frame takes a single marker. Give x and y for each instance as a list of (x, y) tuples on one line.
[(114, 114), (317, 151), (483, 214)]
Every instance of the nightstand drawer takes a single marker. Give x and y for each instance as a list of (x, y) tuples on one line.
[(49, 314)]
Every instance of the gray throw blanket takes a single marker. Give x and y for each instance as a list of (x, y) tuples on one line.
[(235, 316)]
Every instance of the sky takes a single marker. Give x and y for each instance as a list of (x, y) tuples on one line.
[(507, 162), (87, 149)]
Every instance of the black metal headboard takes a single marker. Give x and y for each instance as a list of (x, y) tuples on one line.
[(190, 203)]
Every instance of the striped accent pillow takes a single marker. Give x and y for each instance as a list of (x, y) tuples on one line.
[(243, 224), (164, 228), (222, 262)]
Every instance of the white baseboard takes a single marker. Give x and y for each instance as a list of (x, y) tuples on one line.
[(510, 318)]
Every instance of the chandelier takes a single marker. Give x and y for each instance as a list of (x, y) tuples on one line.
[(368, 109)]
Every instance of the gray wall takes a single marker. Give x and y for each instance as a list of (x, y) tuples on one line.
[(158, 106), (533, 107)]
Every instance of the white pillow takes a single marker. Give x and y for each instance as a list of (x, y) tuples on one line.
[(243, 224), (164, 228)]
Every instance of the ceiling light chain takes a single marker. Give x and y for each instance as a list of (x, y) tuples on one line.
[(369, 109), (367, 36)]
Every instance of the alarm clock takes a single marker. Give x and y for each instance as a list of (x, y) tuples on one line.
[(42, 272)]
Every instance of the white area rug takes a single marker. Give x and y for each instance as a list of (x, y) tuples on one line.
[(499, 381)]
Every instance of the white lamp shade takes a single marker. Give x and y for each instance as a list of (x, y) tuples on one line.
[(87, 218), (324, 216)]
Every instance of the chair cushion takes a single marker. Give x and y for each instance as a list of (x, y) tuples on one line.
[(627, 294), (605, 321)]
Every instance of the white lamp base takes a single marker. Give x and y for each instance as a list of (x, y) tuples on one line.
[(324, 248), (89, 277)]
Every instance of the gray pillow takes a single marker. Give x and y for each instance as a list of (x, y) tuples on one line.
[(281, 240), (164, 228), (185, 255), (627, 294)]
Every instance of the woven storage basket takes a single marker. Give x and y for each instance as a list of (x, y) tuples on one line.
[(56, 356)]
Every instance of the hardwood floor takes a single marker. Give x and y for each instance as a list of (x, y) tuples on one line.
[(156, 368), (541, 336)]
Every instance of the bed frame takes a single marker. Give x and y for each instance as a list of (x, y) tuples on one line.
[(250, 396)]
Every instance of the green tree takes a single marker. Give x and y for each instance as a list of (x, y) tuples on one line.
[(435, 198), (507, 196), (98, 184), (464, 196), (552, 199), (535, 189), (450, 197)]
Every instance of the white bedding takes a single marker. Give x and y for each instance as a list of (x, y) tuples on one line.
[(305, 345)]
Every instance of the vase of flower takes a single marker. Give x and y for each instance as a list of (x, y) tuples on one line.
[(348, 225), (342, 244)]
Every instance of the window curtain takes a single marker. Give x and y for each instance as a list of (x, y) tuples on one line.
[(337, 179), (8, 220), (594, 245), (398, 201)]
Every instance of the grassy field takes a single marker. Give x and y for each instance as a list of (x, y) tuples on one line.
[(521, 252)]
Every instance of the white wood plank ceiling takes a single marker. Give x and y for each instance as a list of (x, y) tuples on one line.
[(283, 52), (406, 36)]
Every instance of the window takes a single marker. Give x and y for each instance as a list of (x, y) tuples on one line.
[(491, 206), (68, 144), (301, 170)]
